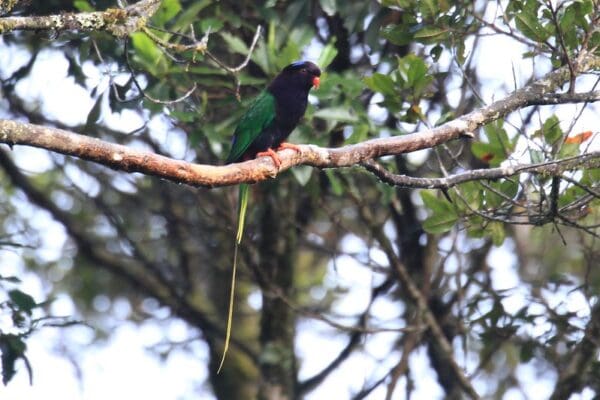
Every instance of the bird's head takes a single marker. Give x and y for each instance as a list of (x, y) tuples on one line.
[(302, 73)]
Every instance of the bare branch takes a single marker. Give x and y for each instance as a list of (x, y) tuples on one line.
[(577, 363), (553, 168), (419, 299), (234, 70), (198, 46)]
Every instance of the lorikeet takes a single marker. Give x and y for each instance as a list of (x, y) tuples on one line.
[(266, 124)]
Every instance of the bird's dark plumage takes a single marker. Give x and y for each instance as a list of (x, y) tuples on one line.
[(275, 112), (266, 124)]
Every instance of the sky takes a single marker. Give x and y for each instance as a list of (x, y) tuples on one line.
[(125, 366)]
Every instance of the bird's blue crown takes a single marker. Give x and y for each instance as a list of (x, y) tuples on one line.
[(297, 64)]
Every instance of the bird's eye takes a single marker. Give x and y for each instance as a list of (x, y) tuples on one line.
[(303, 70)]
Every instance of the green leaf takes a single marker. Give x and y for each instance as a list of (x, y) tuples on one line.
[(413, 71), (497, 136), (397, 35), (590, 176), (190, 13), (499, 145), (167, 10), (329, 7), (569, 27), (527, 22), (302, 173), (507, 187), (430, 32), (12, 348), (475, 227), (327, 55), (211, 25), (435, 203), (380, 83), (445, 117), (336, 185), (471, 194), (22, 300), (147, 50), (416, 70), (184, 116), (587, 6), (429, 8), (568, 150), (551, 130), (359, 134), (235, 43), (569, 195), (287, 54), (440, 223), (488, 153), (496, 232), (536, 156), (83, 5), (443, 217), (341, 114)]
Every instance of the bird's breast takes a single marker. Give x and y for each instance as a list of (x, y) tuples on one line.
[(291, 110)]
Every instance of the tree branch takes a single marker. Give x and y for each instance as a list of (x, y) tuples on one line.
[(576, 366), (130, 269), (120, 22), (123, 158), (553, 168), (419, 299)]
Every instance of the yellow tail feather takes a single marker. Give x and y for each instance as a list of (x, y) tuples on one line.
[(243, 199), (243, 205)]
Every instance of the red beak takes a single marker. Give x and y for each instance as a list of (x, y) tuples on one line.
[(316, 82)]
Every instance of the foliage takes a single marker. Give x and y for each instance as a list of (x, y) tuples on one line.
[(391, 68), (26, 317)]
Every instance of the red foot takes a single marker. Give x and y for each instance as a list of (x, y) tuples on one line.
[(290, 146), (272, 154)]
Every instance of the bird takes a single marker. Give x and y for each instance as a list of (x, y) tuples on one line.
[(261, 132)]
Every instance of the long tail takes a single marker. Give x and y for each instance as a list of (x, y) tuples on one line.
[(242, 206)]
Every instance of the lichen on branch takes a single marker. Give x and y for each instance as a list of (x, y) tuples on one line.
[(119, 22)]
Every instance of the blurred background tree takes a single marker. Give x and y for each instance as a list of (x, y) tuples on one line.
[(485, 281)]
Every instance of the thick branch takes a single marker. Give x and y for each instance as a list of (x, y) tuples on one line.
[(130, 160), (119, 22)]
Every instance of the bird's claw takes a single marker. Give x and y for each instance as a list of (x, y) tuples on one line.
[(290, 146), (273, 155)]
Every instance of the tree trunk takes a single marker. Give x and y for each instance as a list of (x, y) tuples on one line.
[(277, 247)]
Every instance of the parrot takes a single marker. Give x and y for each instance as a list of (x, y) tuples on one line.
[(261, 132)]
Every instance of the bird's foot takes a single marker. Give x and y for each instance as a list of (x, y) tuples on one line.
[(272, 154), (290, 146)]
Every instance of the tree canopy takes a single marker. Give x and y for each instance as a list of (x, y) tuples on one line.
[(443, 206)]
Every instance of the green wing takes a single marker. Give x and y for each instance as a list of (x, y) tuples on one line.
[(259, 116)]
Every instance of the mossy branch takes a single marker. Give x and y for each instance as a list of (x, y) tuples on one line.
[(120, 22)]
